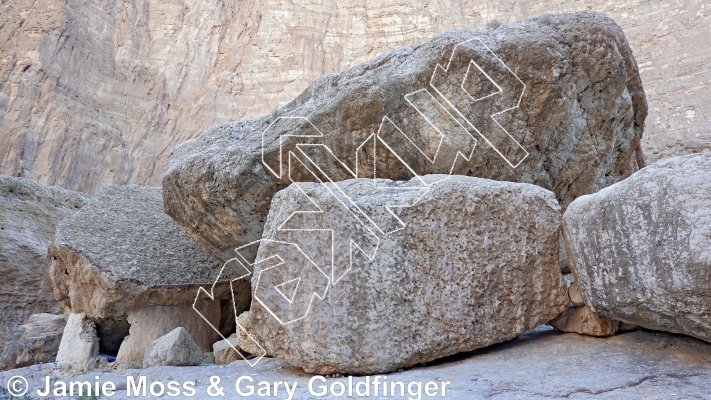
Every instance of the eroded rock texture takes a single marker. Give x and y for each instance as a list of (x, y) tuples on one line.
[(79, 348), (453, 279), (121, 252), (29, 214), (576, 131), (94, 94), (641, 249)]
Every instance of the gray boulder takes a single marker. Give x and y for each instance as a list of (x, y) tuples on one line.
[(29, 214), (176, 348), (121, 258), (641, 248), (577, 128), (39, 339), (454, 278)]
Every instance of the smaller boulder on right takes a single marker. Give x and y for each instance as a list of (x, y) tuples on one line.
[(641, 248)]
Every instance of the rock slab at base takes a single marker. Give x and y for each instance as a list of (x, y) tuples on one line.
[(641, 249), (177, 348), (548, 365), (453, 279)]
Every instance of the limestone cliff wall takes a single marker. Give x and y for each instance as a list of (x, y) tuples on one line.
[(95, 93)]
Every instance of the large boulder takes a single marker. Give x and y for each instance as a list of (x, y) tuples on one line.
[(476, 263), (29, 214), (120, 254), (641, 248), (39, 339), (176, 348), (576, 129)]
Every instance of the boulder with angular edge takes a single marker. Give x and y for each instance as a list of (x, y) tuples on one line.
[(476, 263), (79, 349), (641, 248), (176, 348)]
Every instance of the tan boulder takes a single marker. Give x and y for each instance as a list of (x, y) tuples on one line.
[(227, 350), (584, 321), (79, 349), (577, 128), (641, 248)]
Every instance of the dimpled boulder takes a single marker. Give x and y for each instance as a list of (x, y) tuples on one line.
[(121, 252), (474, 262), (131, 269)]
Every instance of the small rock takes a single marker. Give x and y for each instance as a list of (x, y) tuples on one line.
[(39, 339), (584, 321), (575, 296), (177, 348), (227, 351), (246, 338)]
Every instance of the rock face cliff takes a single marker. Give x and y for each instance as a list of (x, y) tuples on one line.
[(29, 215), (94, 94)]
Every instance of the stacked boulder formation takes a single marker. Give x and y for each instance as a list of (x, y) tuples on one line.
[(438, 199), (551, 108), (129, 269)]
